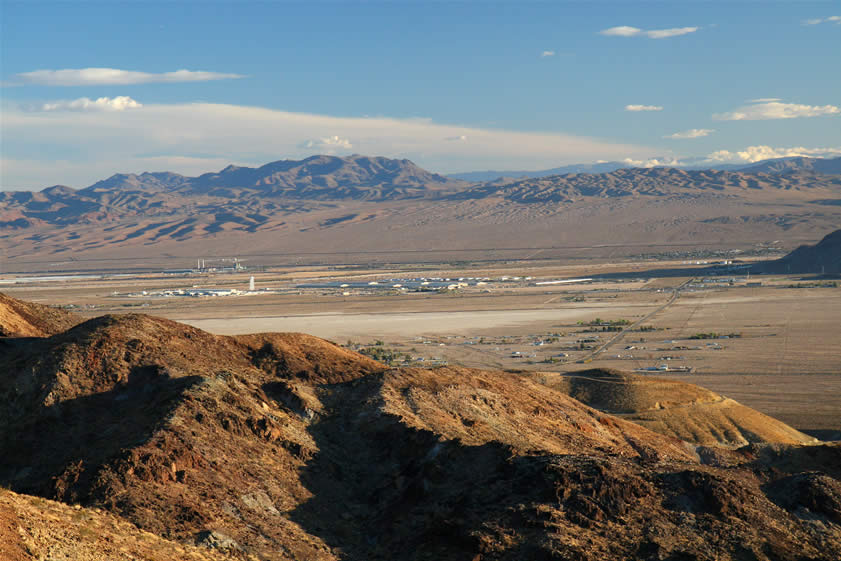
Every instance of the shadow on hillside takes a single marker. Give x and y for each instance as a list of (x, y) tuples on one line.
[(57, 451), (393, 492), (384, 490)]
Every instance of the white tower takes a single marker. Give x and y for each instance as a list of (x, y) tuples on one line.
[(251, 284)]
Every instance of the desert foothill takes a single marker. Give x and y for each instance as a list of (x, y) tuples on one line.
[(262, 300)]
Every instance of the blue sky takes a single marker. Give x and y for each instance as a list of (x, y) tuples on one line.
[(453, 86)]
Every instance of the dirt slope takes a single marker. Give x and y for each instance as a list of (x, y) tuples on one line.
[(25, 319), (284, 446), (36, 528), (685, 411)]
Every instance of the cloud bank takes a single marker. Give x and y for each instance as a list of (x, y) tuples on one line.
[(691, 133), (749, 155), (643, 108), (195, 137), (628, 31), (763, 110), (756, 153), (115, 76)]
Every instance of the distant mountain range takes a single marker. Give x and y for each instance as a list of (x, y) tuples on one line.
[(830, 166), (482, 176), (656, 182), (247, 197), (327, 203), (243, 195), (776, 165)]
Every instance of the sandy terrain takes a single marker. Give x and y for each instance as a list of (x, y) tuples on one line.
[(417, 324)]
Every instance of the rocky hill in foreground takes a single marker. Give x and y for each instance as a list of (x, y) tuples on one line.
[(285, 446)]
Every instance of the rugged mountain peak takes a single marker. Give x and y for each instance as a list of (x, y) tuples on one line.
[(318, 177)]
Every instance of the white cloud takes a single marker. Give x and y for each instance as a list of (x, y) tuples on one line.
[(643, 108), (547, 53), (621, 31), (756, 153), (114, 76), (665, 33), (628, 31), (651, 162), (830, 19), (691, 133), (776, 110), (110, 142), (119, 103), (328, 145), (459, 138), (764, 100)]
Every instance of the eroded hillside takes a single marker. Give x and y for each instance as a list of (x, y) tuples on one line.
[(285, 446)]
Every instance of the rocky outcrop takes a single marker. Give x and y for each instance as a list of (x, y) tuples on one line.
[(284, 446)]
